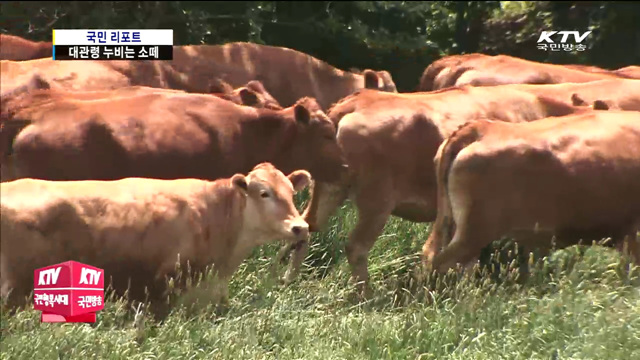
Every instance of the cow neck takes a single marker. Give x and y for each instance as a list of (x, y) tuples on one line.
[(324, 76), (349, 83), (222, 218), (274, 132)]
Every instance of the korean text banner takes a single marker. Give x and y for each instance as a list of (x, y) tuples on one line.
[(112, 37)]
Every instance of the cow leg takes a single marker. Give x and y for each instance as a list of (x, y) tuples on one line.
[(634, 247), (300, 253), (374, 210), (215, 291), (458, 251), (218, 289), (473, 232), (434, 243), (325, 199), (629, 246), (7, 169), (361, 240), (221, 291)]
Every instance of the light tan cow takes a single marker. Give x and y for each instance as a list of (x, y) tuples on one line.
[(574, 176), (386, 140), (136, 229)]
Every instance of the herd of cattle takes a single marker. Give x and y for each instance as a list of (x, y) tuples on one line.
[(132, 166)]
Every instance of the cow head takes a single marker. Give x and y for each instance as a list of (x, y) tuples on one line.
[(601, 105), (379, 80), (219, 86), (252, 94), (270, 210), (314, 145), (14, 98), (577, 100)]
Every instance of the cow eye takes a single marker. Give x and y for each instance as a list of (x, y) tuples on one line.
[(264, 194)]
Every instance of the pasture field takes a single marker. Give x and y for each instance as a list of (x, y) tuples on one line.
[(570, 308)]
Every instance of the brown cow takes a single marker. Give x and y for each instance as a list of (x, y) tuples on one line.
[(503, 69), (576, 176), (168, 136), (433, 75), (39, 92), (252, 94), (387, 139), (632, 72), (587, 68), (621, 94), (288, 74), (138, 229), (19, 77), (628, 72), (69, 75), (17, 49)]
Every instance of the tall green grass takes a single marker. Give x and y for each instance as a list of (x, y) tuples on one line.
[(570, 308)]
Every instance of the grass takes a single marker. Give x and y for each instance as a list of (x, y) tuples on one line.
[(571, 308)]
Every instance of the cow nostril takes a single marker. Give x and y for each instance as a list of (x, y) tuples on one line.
[(300, 231)]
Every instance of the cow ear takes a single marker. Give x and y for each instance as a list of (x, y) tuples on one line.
[(387, 81), (302, 114), (600, 105), (248, 97), (299, 179), (371, 80), (220, 86), (256, 85), (240, 181), (39, 83), (576, 100)]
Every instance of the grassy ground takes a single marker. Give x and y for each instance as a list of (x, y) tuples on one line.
[(589, 312)]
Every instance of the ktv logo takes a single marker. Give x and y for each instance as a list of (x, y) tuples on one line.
[(68, 292), (49, 276), (545, 41)]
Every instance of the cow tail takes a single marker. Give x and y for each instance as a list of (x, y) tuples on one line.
[(428, 77), (454, 76), (464, 136), (9, 130)]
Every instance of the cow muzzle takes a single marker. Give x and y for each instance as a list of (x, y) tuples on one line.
[(299, 231)]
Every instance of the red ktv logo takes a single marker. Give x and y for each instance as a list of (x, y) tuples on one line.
[(68, 292)]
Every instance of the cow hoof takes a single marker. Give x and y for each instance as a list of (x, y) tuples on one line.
[(427, 259), (361, 293), (359, 297), (288, 278), (221, 308)]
